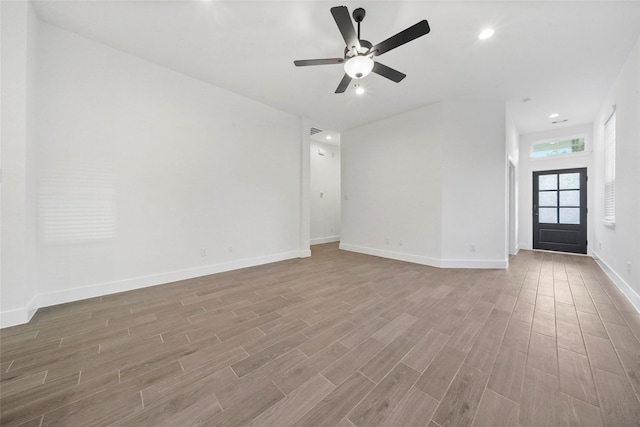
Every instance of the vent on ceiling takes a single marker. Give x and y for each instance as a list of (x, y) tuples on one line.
[(559, 121), (315, 130)]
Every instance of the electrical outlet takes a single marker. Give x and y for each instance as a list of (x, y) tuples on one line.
[(230, 249), (472, 248), (599, 245), (628, 266), (400, 243), (387, 240), (203, 252)]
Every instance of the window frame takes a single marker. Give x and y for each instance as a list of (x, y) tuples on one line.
[(584, 152), (609, 175)]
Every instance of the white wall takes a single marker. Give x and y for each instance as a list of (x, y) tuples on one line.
[(391, 187), (615, 247), (425, 185), (474, 168), (145, 175), (528, 165), (19, 35), (325, 192)]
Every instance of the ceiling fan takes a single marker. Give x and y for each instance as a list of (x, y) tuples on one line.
[(358, 54)]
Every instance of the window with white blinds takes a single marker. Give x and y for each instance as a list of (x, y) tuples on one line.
[(610, 169)]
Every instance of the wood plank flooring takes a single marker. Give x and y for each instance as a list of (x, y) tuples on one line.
[(337, 339)]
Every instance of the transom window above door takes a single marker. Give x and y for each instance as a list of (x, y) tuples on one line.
[(559, 146)]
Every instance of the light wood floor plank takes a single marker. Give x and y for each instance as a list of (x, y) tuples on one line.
[(496, 410), (384, 397), (458, 406), (507, 375), (337, 404), (436, 378), (620, 406), (575, 376), (344, 367), (337, 339), (295, 405), (414, 410)]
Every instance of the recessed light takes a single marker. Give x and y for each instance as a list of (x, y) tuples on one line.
[(328, 137), (359, 90), (553, 115), (486, 33)]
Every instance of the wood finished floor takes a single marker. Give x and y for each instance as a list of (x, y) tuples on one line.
[(338, 339)]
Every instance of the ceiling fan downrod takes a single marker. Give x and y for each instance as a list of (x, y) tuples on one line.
[(358, 16)]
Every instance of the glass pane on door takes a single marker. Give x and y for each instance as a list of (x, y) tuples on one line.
[(548, 215), (548, 198), (548, 182), (569, 215), (570, 198), (569, 181)]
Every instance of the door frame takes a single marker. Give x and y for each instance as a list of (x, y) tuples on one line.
[(584, 205)]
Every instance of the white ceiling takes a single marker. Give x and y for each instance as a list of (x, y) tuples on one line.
[(564, 55)]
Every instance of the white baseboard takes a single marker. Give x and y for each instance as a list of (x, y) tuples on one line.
[(321, 240), (525, 246), (475, 263), (305, 253), (419, 259), (20, 315), (624, 287), (24, 315)]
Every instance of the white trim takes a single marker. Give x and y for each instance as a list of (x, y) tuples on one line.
[(19, 315), (424, 260), (321, 240), (23, 315), (608, 223), (475, 263), (548, 251), (584, 153), (624, 287), (305, 253), (399, 256), (583, 135), (613, 111)]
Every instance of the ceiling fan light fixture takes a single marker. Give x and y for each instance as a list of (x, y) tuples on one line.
[(358, 67)]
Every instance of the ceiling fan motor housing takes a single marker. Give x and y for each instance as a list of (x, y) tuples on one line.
[(365, 46)]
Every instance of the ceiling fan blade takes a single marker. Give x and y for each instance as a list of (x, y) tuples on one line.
[(345, 25), (344, 84), (327, 61), (411, 33), (388, 72)]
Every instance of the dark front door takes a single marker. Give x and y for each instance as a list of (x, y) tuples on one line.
[(560, 210)]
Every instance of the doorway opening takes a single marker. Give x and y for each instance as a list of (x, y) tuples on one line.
[(324, 188), (512, 231)]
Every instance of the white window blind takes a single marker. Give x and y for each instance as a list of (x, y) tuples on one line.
[(610, 169)]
